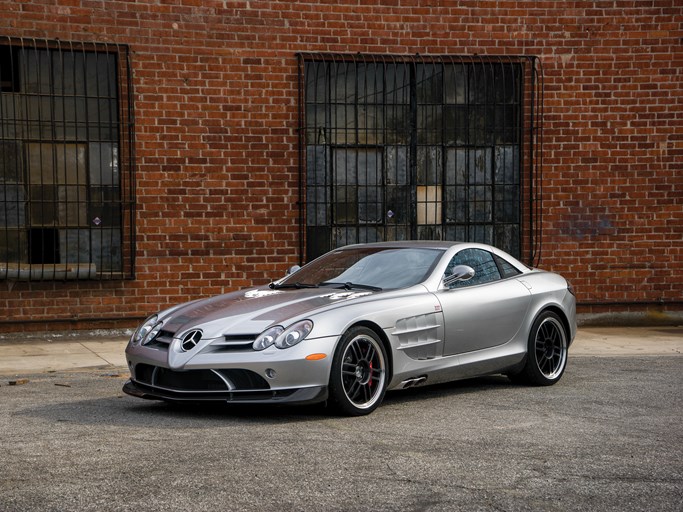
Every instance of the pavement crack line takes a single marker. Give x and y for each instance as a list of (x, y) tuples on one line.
[(96, 354)]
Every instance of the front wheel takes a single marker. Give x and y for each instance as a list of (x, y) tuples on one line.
[(546, 356), (358, 379)]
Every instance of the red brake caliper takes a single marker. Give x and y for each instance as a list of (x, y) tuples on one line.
[(370, 381)]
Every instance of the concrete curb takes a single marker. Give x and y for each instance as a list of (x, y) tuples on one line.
[(23, 354)]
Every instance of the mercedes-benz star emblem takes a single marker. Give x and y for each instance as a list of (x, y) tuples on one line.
[(190, 340)]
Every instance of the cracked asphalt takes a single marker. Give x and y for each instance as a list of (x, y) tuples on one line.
[(608, 437)]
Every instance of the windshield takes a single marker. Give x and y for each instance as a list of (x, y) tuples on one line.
[(369, 267)]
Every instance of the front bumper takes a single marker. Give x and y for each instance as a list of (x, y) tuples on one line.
[(269, 376), (290, 396)]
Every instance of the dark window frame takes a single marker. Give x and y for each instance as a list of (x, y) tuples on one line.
[(331, 116), (66, 161)]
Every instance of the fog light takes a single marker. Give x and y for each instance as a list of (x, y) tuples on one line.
[(270, 373)]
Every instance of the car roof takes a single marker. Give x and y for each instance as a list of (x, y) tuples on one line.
[(414, 244), (444, 245)]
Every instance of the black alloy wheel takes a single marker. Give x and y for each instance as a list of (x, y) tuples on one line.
[(546, 357), (358, 379)]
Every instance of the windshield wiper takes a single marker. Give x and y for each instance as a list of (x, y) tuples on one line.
[(298, 286), (350, 286)]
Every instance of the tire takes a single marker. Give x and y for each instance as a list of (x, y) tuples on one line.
[(546, 357), (358, 379)]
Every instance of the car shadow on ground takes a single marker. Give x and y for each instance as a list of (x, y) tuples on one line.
[(449, 389), (122, 410)]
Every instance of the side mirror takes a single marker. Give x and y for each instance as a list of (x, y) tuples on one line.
[(459, 273), (292, 269)]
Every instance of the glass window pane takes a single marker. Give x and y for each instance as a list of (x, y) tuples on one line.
[(68, 72), (317, 124), (342, 125), (72, 206), (481, 84), (369, 234), (57, 190), (429, 124), (316, 82), (408, 112), (13, 247), (455, 126), (455, 83), (35, 71), (480, 199), (429, 203), (360, 198), (10, 162), (56, 163), (456, 205), (104, 211), (429, 83), (396, 165), (345, 236), (106, 249), (101, 75), (104, 164), (12, 206), (317, 200), (398, 205), (370, 83), (343, 83), (429, 165), (485, 268), (507, 203), (397, 84), (74, 245), (370, 125), (43, 205)]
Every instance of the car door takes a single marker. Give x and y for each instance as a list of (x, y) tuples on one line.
[(485, 311)]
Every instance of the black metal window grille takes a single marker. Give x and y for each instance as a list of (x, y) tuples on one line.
[(398, 148), (66, 161)]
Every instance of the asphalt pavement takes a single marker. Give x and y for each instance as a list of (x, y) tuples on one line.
[(607, 437)]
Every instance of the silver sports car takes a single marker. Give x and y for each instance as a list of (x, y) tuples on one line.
[(357, 322)]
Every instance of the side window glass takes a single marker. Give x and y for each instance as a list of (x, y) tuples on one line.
[(506, 268), (485, 268)]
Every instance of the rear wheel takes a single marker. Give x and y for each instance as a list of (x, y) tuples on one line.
[(546, 353), (358, 379)]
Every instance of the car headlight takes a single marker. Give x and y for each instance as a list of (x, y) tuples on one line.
[(282, 338), (294, 334), (153, 333), (144, 329), (267, 338)]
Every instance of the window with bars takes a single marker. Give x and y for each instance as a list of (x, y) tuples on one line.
[(66, 206), (401, 148)]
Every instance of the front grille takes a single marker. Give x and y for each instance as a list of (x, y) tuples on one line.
[(161, 341), (223, 396), (240, 338), (233, 343), (229, 342), (219, 380), (192, 380)]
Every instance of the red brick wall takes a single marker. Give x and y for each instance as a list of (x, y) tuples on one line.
[(216, 140)]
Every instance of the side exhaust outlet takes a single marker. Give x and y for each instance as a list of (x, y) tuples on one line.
[(413, 381)]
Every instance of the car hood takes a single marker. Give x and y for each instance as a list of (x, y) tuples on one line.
[(252, 311)]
